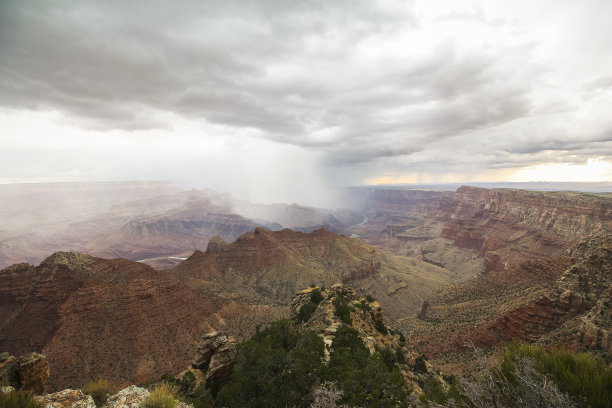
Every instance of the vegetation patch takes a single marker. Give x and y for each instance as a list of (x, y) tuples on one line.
[(99, 390), (342, 309), (306, 312), (19, 399), (163, 396)]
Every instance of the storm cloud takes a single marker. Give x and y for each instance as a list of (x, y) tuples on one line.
[(369, 88)]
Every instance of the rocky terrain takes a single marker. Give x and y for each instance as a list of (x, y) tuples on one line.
[(562, 301), (95, 317)]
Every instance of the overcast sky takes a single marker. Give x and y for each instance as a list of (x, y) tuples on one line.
[(274, 99)]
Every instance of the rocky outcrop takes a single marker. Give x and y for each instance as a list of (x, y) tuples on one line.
[(584, 287), (275, 264), (508, 227), (67, 399), (215, 357), (29, 372), (129, 397)]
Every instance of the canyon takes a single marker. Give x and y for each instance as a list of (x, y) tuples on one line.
[(472, 266)]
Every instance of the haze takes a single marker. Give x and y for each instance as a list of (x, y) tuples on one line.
[(279, 101)]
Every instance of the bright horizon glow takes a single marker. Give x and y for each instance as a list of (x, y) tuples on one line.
[(594, 170)]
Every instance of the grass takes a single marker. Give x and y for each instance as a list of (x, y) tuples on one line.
[(19, 399), (163, 396), (586, 378), (99, 390)]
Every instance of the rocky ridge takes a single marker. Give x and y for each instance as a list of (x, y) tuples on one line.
[(563, 301)]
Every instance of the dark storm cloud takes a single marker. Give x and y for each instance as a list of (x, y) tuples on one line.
[(357, 80)]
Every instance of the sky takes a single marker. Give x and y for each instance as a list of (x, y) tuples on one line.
[(277, 100)]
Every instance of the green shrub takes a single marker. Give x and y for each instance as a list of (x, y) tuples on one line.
[(435, 391), (363, 305), (19, 399), (315, 296), (370, 298), (187, 383), (402, 339), (342, 310), (366, 380), (163, 396), (306, 312), (380, 326), (419, 365), (586, 378), (99, 390), (276, 367)]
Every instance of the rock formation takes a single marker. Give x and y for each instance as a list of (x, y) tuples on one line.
[(215, 357), (508, 227), (67, 399), (29, 372)]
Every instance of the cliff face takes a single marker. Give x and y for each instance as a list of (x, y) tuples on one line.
[(508, 227), (564, 301), (276, 264), (579, 300), (116, 319)]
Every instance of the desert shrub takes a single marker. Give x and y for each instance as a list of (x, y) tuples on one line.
[(19, 399), (402, 339), (388, 357), (586, 378), (342, 309), (366, 380), (327, 395), (277, 367), (163, 396), (436, 392), (370, 298), (187, 383), (419, 365), (99, 390), (363, 305), (380, 326), (399, 357), (201, 397), (515, 382), (315, 296), (306, 311)]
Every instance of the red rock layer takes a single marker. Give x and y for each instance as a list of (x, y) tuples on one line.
[(508, 227), (278, 263)]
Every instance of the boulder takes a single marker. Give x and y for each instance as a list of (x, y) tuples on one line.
[(8, 370), (67, 399), (131, 397), (29, 372), (215, 356), (33, 372)]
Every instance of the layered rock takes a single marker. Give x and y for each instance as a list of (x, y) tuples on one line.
[(508, 227), (562, 301), (276, 264), (215, 357), (584, 290)]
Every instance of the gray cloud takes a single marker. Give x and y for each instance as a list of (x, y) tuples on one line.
[(359, 81)]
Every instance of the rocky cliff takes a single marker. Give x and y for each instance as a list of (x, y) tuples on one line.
[(276, 264), (563, 301), (120, 319), (117, 319), (508, 227)]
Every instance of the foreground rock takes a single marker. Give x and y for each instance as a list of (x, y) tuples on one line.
[(29, 372), (215, 357), (67, 399), (127, 398)]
